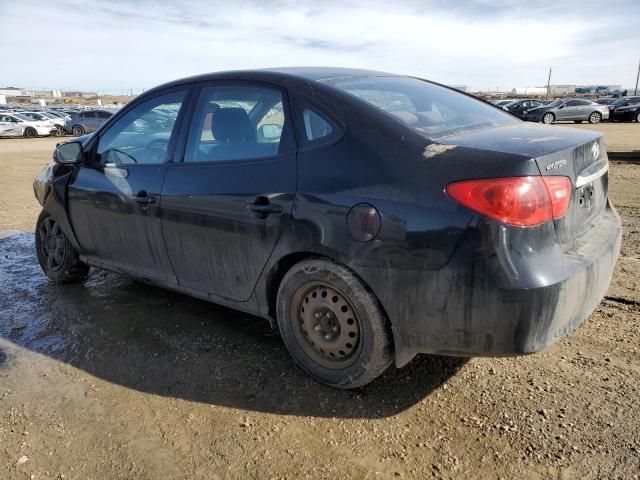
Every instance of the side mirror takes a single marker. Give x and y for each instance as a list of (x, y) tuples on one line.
[(70, 152), (270, 131)]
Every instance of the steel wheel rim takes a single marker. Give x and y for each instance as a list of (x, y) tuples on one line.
[(326, 325), (52, 243)]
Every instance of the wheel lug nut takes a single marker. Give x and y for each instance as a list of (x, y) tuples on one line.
[(335, 328), (317, 314), (317, 328), (329, 314), (327, 336)]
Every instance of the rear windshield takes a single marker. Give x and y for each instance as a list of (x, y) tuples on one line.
[(429, 109)]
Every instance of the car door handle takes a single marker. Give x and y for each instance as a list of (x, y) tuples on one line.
[(262, 207), (144, 198)]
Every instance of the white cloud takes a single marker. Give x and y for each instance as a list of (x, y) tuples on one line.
[(109, 45)]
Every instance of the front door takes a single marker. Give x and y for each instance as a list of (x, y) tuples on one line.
[(114, 198), (226, 203)]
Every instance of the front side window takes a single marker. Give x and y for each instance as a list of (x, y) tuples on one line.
[(236, 122), (103, 115), (429, 109), (142, 135)]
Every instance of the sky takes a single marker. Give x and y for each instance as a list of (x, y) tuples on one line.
[(117, 45)]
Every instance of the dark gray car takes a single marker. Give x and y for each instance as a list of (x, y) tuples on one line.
[(568, 109), (85, 122)]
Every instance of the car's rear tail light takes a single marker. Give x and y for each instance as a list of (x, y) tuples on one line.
[(521, 201)]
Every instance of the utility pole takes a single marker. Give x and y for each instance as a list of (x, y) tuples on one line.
[(548, 83), (637, 78)]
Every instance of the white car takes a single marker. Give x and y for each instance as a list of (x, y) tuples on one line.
[(41, 117), (17, 125)]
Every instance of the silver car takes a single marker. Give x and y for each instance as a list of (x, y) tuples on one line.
[(85, 122), (568, 109)]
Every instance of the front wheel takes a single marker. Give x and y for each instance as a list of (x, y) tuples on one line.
[(332, 325), (595, 117), (30, 132), (638, 117), (57, 257), (77, 130), (548, 118)]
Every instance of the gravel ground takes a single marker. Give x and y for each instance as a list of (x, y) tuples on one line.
[(116, 379)]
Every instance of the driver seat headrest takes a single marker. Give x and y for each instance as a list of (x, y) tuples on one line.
[(232, 125)]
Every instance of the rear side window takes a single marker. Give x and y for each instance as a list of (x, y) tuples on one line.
[(237, 122), (315, 126), (429, 109), (104, 115)]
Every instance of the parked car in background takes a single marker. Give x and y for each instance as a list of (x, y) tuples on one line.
[(621, 103), (569, 109), (87, 121), (42, 118), (518, 107), (628, 112), (17, 125), (370, 216)]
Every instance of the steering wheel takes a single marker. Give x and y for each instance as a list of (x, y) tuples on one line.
[(155, 150)]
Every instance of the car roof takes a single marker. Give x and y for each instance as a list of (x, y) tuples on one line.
[(278, 75)]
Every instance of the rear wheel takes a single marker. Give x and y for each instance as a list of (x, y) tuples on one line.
[(638, 117), (548, 118), (595, 117), (57, 257), (30, 132), (77, 130), (332, 325), (59, 131)]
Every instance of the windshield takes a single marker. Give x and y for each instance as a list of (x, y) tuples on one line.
[(429, 109)]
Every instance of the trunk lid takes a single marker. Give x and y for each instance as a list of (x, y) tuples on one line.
[(577, 154)]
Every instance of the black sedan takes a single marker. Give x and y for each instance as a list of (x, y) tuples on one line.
[(520, 107), (627, 111), (368, 216)]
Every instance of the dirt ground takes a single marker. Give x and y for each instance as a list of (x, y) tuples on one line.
[(115, 379)]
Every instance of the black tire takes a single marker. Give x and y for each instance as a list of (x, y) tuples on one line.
[(363, 361), (638, 117), (57, 257), (77, 130), (595, 117), (548, 118), (30, 132)]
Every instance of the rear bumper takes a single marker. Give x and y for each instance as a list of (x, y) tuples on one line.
[(484, 305)]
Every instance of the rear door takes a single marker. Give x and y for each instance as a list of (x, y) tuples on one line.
[(114, 197), (228, 199)]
